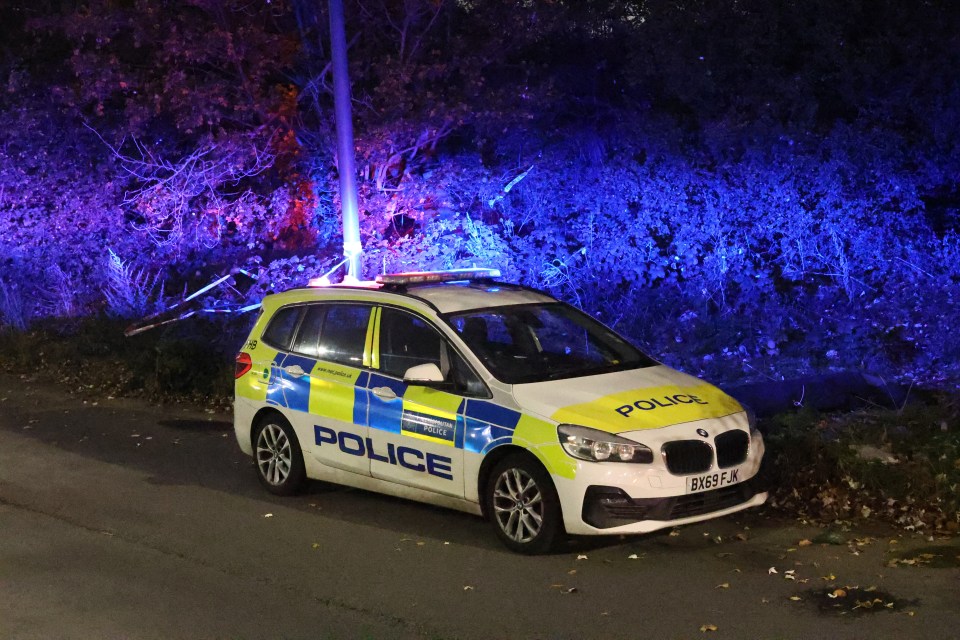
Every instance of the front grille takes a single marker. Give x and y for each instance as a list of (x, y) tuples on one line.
[(696, 504), (684, 457), (732, 448)]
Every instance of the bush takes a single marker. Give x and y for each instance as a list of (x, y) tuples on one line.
[(91, 356)]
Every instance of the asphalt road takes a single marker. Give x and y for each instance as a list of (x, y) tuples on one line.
[(123, 520)]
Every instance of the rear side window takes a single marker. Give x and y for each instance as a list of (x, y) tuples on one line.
[(308, 337), (280, 330), (344, 334)]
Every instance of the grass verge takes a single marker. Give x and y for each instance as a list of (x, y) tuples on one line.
[(897, 466), (91, 356)]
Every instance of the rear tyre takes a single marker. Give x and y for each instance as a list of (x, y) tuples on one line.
[(278, 456), (523, 506)]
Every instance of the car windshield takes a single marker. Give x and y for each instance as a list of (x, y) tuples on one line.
[(537, 342)]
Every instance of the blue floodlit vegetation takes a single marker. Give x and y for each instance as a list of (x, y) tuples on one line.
[(757, 190)]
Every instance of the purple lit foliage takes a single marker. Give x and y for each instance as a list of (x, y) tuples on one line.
[(757, 190)]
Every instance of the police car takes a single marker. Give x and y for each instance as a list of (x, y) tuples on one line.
[(458, 390)]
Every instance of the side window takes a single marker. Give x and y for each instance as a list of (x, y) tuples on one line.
[(344, 334), (280, 330), (308, 337), (406, 341)]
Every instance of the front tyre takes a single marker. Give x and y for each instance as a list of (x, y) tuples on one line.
[(278, 456), (522, 504)]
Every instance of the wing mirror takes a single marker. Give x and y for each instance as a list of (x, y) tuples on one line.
[(428, 375)]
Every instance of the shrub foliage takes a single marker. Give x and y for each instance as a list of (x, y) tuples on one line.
[(756, 189)]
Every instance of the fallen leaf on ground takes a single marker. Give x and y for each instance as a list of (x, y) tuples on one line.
[(725, 585), (804, 543), (268, 515), (771, 571), (795, 598), (707, 627), (582, 556)]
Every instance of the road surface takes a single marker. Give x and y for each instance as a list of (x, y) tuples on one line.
[(119, 519)]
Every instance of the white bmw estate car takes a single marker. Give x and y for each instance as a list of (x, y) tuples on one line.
[(458, 390)]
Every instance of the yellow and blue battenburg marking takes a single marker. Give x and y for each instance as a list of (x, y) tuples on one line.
[(488, 425), (431, 414), (419, 412)]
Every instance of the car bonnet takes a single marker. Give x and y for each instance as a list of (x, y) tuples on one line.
[(648, 398)]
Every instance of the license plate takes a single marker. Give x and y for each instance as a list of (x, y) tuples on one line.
[(715, 480)]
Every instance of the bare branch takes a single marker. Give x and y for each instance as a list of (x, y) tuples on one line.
[(175, 197)]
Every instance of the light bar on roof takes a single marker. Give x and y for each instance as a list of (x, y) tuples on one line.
[(425, 277), (321, 283)]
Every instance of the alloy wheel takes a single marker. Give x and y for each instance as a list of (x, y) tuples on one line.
[(518, 505), (274, 454)]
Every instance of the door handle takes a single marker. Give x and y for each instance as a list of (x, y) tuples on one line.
[(384, 392), (294, 370)]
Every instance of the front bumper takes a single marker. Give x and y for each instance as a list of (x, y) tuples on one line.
[(609, 507), (619, 498)]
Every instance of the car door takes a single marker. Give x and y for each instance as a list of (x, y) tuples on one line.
[(416, 430), (326, 384)]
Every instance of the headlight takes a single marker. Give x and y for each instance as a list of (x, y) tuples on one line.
[(600, 446)]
